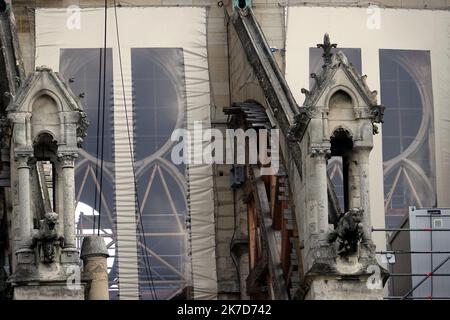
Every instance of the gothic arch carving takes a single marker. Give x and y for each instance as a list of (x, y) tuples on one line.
[(46, 92), (344, 89)]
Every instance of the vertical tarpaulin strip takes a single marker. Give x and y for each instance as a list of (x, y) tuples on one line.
[(125, 195), (184, 28), (200, 180)]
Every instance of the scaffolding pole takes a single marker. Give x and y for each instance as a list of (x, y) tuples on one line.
[(408, 229), (426, 277), (411, 252), (416, 298), (418, 274)]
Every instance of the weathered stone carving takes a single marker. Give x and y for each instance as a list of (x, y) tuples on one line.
[(320, 152), (377, 114), (316, 79), (67, 159), (305, 92), (327, 46), (349, 232), (83, 124), (47, 237), (300, 122)]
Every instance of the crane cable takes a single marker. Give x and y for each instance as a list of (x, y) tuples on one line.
[(103, 119), (100, 114)]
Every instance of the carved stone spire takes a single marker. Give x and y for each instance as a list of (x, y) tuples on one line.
[(327, 46)]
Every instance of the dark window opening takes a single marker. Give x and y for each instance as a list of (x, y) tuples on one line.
[(45, 153), (341, 148)]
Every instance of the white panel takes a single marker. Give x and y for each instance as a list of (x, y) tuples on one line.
[(436, 286)]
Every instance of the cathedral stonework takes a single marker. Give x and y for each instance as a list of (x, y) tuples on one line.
[(135, 203), (45, 120)]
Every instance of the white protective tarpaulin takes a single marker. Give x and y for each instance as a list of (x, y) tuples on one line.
[(145, 27)]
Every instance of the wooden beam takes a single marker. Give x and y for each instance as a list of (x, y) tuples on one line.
[(268, 235)]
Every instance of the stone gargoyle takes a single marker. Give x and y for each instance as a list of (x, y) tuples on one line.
[(349, 232), (47, 237)]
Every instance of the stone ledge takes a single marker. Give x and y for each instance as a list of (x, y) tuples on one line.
[(55, 291)]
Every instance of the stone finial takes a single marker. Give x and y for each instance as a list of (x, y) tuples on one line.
[(93, 246), (95, 268), (327, 46), (305, 92)]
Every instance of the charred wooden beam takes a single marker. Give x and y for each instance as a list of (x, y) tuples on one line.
[(268, 235)]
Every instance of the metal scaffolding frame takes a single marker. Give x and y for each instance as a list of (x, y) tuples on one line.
[(425, 276)]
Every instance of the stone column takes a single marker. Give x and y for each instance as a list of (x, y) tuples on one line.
[(354, 194), (94, 255), (24, 216), (318, 193), (59, 193), (67, 162), (364, 187)]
